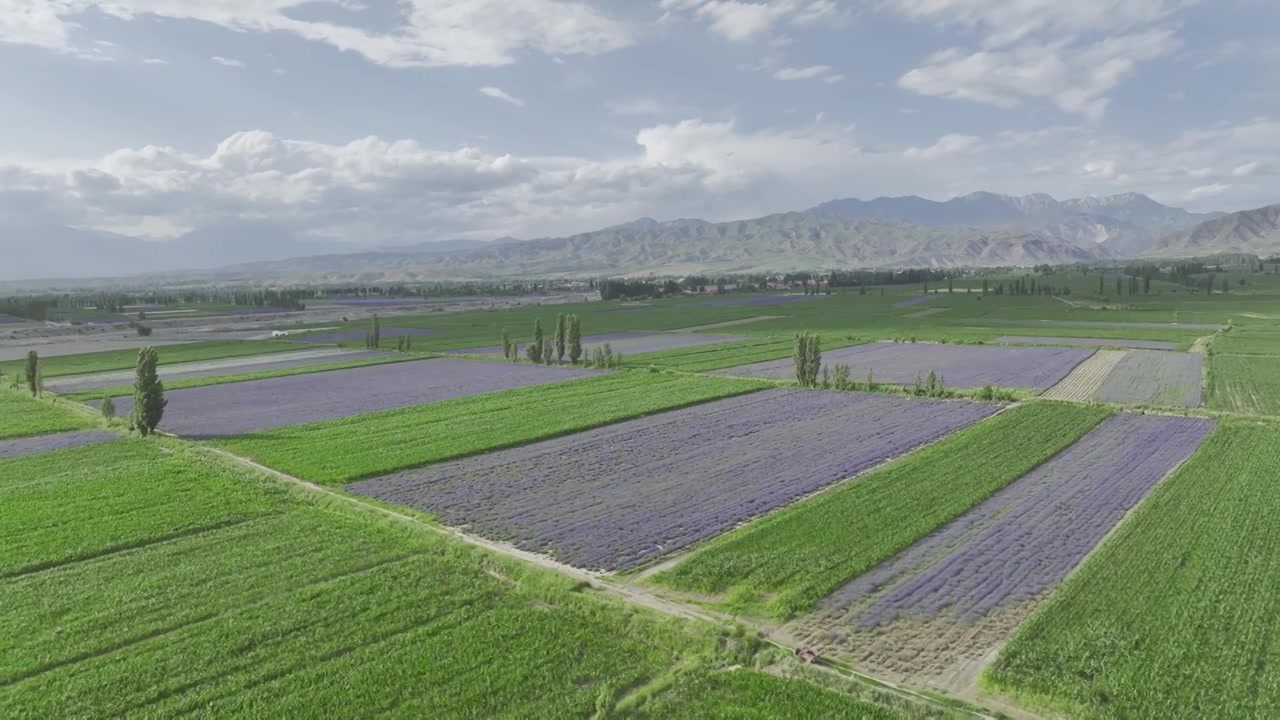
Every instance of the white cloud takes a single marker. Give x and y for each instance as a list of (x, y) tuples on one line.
[(1075, 79), (433, 33), (813, 72), (227, 62), (1207, 191), (946, 145), (741, 21), (500, 94), (155, 61)]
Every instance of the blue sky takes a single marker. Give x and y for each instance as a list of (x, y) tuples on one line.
[(375, 121)]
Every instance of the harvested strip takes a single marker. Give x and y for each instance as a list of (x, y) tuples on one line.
[(731, 323), (785, 563), (221, 410), (1084, 382), (926, 312), (963, 366), (358, 335), (617, 496), (1089, 342), (45, 443), (915, 301), (949, 598), (1149, 377), (212, 368)]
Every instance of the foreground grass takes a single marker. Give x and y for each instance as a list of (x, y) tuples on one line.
[(124, 390), (1175, 615), (787, 561), (22, 416), (1244, 383), (124, 359), (747, 693), (339, 451)]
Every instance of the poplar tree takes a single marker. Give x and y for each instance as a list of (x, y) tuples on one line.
[(108, 408), (508, 352), (148, 393), (375, 334), (33, 372), (537, 347), (561, 337), (575, 339)]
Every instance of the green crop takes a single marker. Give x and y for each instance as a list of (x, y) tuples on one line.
[(337, 451), (23, 416), (1244, 383), (60, 365), (800, 554), (747, 693)]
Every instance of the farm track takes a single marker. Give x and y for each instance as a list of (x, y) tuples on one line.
[(626, 592), (1086, 380)]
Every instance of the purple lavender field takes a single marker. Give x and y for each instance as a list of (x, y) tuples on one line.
[(45, 443), (1148, 377), (8, 319), (223, 410), (960, 366), (358, 334), (628, 343), (617, 496), (919, 299), (1026, 538), (759, 300)]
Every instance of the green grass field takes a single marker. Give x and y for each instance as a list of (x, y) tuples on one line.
[(1247, 384), (785, 562), (123, 390), (22, 415), (125, 359), (1175, 615), (745, 693), (338, 451)]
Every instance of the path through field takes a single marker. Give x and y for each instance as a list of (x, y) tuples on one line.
[(1086, 380)]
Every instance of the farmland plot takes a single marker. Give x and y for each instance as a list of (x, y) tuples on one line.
[(358, 335), (1245, 383), (960, 366), (618, 496), (1088, 342), (918, 300), (1174, 617), (1087, 379), (221, 410), (955, 595), (1104, 324), (1149, 377), (87, 356), (759, 300), (209, 368), (628, 343), (15, 447), (22, 415)]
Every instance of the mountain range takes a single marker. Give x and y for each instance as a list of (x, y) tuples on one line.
[(976, 229)]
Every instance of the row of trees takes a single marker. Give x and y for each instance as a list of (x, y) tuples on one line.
[(149, 401), (566, 341)]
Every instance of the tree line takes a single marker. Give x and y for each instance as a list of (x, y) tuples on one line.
[(149, 401)]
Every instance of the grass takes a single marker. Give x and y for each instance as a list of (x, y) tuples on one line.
[(23, 416), (747, 693), (124, 359), (1247, 384), (785, 562), (1175, 615), (338, 451), (123, 390)]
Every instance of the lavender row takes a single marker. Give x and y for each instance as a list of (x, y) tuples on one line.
[(960, 366), (617, 496), (1026, 538), (630, 343), (1146, 377), (222, 410), (17, 447), (358, 335), (1091, 342)]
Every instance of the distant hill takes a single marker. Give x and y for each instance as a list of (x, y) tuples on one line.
[(1127, 223), (1249, 231)]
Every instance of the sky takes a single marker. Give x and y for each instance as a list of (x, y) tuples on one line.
[(389, 121)]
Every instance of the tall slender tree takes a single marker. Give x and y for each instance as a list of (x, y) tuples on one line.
[(538, 346), (375, 333), (507, 351), (575, 339), (33, 372), (561, 337), (148, 393)]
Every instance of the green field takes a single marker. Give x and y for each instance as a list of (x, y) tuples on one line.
[(123, 390), (1244, 383), (22, 415), (339, 451), (148, 579), (1175, 615), (124, 359), (787, 561)]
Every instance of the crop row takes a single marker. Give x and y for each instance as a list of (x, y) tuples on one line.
[(367, 445), (1175, 615), (788, 556), (24, 416), (617, 496), (1245, 383), (718, 357), (747, 693), (1151, 377), (224, 410), (92, 362)]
